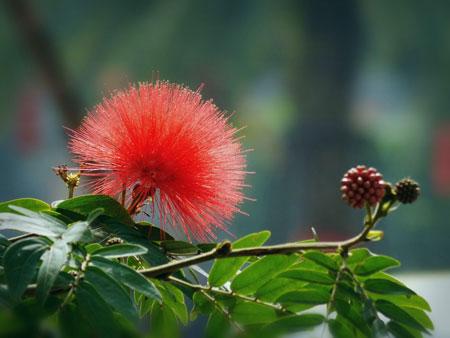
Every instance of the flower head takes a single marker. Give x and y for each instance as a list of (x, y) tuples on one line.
[(407, 190), (163, 143), (362, 185)]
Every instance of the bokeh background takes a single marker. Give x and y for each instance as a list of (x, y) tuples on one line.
[(320, 85)]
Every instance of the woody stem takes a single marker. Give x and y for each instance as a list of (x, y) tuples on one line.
[(224, 250)]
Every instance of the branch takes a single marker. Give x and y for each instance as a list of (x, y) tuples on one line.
[(224, 250), (198, 287)]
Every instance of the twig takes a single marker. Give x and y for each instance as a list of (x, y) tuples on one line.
[(198, 287), (287, 248), (78, 278)]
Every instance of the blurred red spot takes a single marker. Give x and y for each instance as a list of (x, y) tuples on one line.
[(441, 160)]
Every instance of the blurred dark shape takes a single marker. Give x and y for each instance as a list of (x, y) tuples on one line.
[(321, 146), (28, 129), (39, 43)]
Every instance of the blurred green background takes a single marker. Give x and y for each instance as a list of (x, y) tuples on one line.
[(320, 85)]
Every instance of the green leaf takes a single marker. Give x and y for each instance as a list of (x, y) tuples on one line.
[(420, 316), (96, 311), (163, 322), (155, 254), (27, 203), (127, 276), (225, 269), (218, 326), (339, 329), (321, 259), (90, 248), (305, 296), (4, 241), (384, 286), (5, 297), (310, 276), (77, 232), (399, 315), (201, 304), (400, 331), (152, 232), (120, 250), (247, 313), (414, 301), (375, 264), (276, 287), (356, 256), (71, 322), (86, 204), (39, 224), (179, 247), (353, 316), (111, 291), (258, 273), (20, 262), (52, 262), (205, 247), (295, 323), (174, 299)]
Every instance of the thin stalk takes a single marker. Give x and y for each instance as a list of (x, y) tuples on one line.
[(199, 287), (287, 248)]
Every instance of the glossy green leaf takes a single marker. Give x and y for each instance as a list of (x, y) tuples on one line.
[(179, 247), (32, 204), (120, 250), (5, 297), (414, 301), (295, 323), (247, 313), (258, 273), (77, 232), (86, 204), (339, 329), (163, 322), (310, 276), (111, 292), (127, 276), (218, 326), (305, 296), (384, 286), (358, 255), (225, 269), (36, 224), (91, 247), (71, 322), (20, 262), (4, 241), (174, 299), (201, 304), (276, 287), (52, 262), (398, 314), (321, 259), (400, 331), (152, 232), (205, 247), (353, 317), (96, 311), (420, 316), (155, 254), (375, 264)]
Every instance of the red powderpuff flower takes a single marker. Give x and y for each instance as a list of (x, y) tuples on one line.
[(162, 142)]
